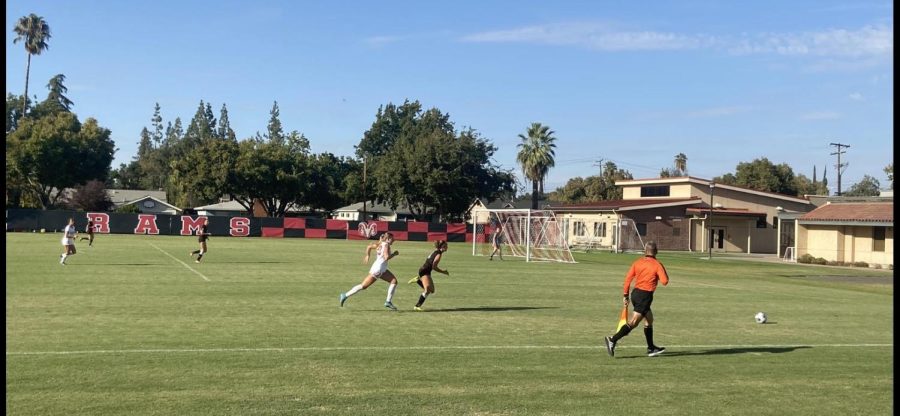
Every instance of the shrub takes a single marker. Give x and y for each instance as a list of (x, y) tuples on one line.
[(877, 266), (861, 264), (820, 260), (806, 258), (890, 267), (834, 263)]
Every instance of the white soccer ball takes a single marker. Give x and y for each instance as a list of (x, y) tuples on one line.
[(761, 318)]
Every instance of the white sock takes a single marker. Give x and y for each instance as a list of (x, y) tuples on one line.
[(425, 294), (391, 289), (355, 289)]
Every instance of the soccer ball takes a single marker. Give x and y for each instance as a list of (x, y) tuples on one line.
[(761, 318)]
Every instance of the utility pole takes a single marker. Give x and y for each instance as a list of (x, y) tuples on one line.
[(840, 166)]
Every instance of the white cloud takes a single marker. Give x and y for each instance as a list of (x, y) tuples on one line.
[(820, 115), (594, 36), (856, 96), (868, 45)]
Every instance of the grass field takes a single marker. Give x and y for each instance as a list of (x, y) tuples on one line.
[(133, 326)]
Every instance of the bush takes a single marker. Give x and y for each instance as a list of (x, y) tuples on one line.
[(806, 258), (890, 267), (877, 266), (835, 263), (861, 264), (820, 260)]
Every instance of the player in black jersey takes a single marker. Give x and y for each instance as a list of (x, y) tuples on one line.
[(202, 236), (424, 279)]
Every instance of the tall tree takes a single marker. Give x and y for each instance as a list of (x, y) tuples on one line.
[(536, 156), (14, 113), (681, 164), (867, 186), (889, 171), (762, 175), (56, 101), (274, 129), (57, 152), (224, 130), (34, 33), (157, 124)]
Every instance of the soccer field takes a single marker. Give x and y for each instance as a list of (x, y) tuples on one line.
[(133, 326)]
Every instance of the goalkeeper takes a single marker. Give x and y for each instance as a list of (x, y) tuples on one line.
[(423, 279)]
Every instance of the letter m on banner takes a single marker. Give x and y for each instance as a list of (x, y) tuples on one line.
[(189, 225)]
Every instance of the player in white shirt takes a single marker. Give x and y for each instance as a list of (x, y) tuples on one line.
[(68, 241), (378, 270)]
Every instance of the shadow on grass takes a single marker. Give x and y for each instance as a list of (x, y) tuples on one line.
[(730, 351), (491, 309)]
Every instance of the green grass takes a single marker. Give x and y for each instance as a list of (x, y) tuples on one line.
[(126, 328)]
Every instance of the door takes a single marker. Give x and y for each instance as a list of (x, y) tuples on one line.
[(718, 238)]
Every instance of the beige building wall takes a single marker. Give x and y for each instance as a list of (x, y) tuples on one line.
[(590, 223), (844, 243)]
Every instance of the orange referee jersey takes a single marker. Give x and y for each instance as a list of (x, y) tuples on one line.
[(646, 271)]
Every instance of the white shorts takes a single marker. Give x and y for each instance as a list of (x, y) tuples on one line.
[(378, 268), (68, 241)]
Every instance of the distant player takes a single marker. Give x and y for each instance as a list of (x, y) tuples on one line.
[(496, 241), (424, 279), (68, 241), (202, 236), (379, 270), (90, 232), (646, 272)]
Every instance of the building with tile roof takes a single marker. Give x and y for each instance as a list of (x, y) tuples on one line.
[(848, 232)]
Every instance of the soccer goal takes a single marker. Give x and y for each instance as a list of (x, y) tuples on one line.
[(535, 235), (628, 239)]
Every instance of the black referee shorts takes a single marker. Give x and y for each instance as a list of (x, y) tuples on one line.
[(641, 300)]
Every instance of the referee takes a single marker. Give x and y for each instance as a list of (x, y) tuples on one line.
[(646, 272)]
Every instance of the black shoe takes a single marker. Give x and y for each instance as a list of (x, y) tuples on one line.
[(653, 352), (610, 346)]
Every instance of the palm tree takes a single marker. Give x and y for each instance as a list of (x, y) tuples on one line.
[(681, 163), (536, 156), (34, 32)]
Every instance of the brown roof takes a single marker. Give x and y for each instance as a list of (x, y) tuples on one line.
[(727, 211), (872, 211), (622, 203)]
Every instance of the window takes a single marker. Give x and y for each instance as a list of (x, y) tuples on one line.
[(599, 229), (651, 191), (579, 228), (641, 228), (878, 238), (761, 222)]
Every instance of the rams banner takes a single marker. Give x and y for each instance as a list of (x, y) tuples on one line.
[(237, 226)]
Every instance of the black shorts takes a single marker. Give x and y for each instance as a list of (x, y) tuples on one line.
[(641, 300), (425, 271)]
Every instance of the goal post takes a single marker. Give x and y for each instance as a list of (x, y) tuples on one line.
[(535, 235)]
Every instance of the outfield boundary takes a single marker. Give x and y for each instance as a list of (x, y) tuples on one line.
[(425, 348)]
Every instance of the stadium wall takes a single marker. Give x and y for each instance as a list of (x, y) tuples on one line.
[(31, 220)]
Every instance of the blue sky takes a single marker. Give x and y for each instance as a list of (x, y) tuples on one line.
[(633, 82)]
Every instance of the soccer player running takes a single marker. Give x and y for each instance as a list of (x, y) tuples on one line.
[(68, 241), (496, 240), (646, 272), (202, 236), (90, 231), (379, 270), (424, 279)]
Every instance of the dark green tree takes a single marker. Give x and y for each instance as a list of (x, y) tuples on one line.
[(14, 112), (57, 152), (762, 175), (867, 186), (34, 32), (889, 171)]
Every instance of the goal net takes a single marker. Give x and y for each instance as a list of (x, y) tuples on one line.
[(535, 235), (629, 239), (614, 234)]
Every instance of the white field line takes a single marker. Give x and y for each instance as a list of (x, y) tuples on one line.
[(182, 263), (422, 348)]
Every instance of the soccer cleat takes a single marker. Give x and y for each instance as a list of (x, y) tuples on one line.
[(653, 352), (610, 346), (197, 261), (343, 299), (419, 308), (390, 306), (191, 254), (413, 280)]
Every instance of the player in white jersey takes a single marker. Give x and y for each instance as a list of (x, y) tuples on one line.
[(379, 270), (68, 241)]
